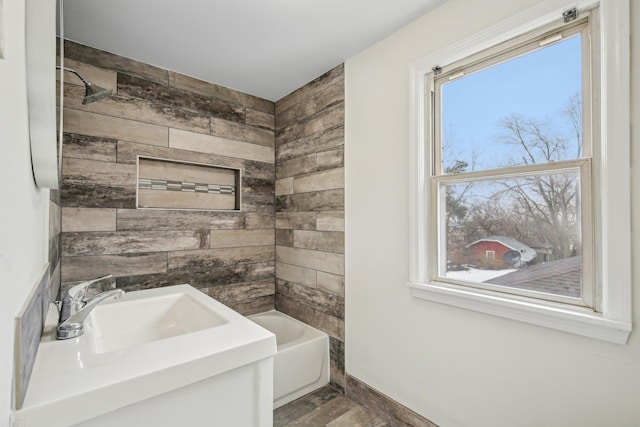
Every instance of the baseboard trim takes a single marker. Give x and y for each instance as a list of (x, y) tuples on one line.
[(393, 412)]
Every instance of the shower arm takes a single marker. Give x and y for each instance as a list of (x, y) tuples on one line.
[(92, 92), (71, 70)]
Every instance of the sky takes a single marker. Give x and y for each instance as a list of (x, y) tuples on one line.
[(537, 86)]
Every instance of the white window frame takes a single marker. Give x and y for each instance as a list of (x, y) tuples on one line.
[(613, 217), (580, 166)]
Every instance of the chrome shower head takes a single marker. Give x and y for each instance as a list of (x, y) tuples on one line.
[(92, 92)]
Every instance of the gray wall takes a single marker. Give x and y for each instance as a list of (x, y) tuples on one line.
[(310, 209), (27, 249)]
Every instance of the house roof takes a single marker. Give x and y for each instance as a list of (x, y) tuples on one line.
[(560, 277), (526, 253)]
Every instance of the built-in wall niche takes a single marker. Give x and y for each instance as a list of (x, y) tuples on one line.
[(169, 184)]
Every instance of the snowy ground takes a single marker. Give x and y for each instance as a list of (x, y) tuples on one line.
[(475, 275)]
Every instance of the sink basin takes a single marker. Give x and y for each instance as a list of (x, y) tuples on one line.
[(143, 347), (133, 321)]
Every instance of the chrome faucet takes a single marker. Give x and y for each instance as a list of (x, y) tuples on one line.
[(75, 307)]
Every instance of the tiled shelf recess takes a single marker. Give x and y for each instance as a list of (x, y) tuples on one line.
[(179, 185)]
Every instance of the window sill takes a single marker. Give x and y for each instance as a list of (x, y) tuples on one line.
[(557, 316)]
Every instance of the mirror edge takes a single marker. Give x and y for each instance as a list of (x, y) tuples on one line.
[(41, 91)]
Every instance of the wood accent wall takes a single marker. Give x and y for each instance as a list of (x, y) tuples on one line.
[(157, 113), (228, 255), (310, 209)]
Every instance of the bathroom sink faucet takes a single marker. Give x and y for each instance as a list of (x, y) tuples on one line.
[(75, 307)]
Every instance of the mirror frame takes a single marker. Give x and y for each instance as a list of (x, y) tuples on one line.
[(41, 91)]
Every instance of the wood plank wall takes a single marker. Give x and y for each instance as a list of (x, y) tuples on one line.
[(310, 209), (158, 113), (228, 255)]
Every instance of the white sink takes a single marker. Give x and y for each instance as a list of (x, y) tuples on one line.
[(139, 348), (133, 321)]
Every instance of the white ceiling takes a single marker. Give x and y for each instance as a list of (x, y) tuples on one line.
[(266, 48)]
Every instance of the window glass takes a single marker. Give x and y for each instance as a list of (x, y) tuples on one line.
[(509, 215), (526, 110), (522, 232)]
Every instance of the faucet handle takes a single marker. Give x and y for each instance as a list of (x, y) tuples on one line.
[(79, 291)]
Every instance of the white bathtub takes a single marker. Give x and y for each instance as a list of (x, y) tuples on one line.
[(301, 364)]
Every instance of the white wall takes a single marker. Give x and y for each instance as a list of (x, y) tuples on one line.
[(23, 212), (457, 367)]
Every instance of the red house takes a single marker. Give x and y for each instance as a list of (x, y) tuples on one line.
[(500, 251)]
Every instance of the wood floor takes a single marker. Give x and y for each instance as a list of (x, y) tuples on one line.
[(325, 407)]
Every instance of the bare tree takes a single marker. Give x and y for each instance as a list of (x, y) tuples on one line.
[(548, 201), (573, 112), (456, 210), (536, 208)]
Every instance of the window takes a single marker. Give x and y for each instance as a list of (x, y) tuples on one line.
[(510, 162), (515, 157)]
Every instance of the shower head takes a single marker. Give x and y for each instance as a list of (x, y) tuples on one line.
[(92, 92)]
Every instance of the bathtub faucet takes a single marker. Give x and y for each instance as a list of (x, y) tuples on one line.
[(75, 307)]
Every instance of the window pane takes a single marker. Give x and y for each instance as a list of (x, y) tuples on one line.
[(515, 232), (524, 111)]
